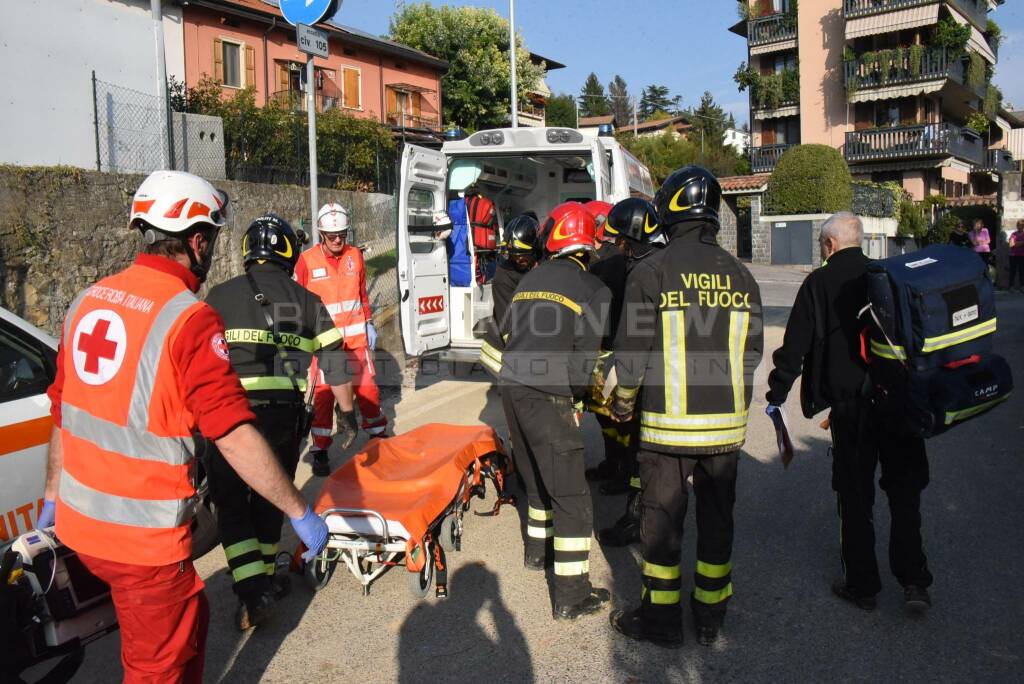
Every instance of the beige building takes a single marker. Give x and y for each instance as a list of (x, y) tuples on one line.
[(866, 77)]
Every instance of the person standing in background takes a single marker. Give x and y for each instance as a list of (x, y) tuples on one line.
[(1017, 257), (981, 241)]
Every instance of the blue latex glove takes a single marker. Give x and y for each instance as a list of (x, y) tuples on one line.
[(371, 335), (312, 530), (46, 516)]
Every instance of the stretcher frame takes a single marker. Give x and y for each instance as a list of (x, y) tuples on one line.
[(361, 552)]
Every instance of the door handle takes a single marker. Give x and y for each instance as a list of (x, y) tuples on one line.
[(405, 296)]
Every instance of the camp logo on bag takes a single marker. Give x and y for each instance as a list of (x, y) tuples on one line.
[(931, 332)]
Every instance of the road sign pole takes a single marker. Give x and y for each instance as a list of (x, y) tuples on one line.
[(313, 176)]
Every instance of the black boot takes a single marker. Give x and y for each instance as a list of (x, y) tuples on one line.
[(348, 428), (590, 604), (844, 591), (631, 624), (321, 467), (707, 620), (626, 529), (253, 611)]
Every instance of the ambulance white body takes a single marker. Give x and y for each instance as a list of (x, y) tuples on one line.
[(520, 170)]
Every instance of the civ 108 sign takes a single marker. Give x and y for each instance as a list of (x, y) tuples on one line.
[(307, 11)]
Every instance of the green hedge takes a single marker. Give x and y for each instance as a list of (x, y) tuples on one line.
[(810, 179)]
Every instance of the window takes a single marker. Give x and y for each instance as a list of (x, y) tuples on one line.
[(26, 365), (232, 59), (351, 89), (421, 209)]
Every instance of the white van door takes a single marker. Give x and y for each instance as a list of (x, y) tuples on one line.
[(602, 177), (422, 258)]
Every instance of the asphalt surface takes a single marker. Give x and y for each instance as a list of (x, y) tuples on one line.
[(783, 622)]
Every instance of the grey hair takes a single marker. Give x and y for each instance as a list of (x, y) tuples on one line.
[(845, 228)]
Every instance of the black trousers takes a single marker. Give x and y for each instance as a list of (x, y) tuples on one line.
[(1016, 271), (664, 500), (249, 525), (548, 450), (621, 443), (859, 445)]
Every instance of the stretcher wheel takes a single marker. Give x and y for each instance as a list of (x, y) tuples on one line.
[(318, 573), (419, 582), (447, 533)]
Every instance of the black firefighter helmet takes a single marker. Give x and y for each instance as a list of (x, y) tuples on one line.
[(271, 238), (691, 193), (522, 236), (635, 219)]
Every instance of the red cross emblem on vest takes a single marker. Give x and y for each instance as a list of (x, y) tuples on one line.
[(98, 346)]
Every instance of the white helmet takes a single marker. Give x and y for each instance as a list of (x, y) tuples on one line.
[(175, 201), (333, 218)]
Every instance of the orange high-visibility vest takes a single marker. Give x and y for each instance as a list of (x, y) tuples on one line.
[(341, 284), (126, 491)]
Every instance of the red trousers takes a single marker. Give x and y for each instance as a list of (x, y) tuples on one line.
[(360, 365), (163, 615)]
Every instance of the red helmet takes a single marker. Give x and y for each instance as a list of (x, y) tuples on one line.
[(600, 210), (569, 228)]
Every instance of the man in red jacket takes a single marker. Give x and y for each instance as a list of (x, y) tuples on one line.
[(334, 270)]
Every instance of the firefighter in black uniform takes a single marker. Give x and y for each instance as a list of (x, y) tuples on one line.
[(633, 224), (693, 340), (519, 251), (273, 327), (554, 327)]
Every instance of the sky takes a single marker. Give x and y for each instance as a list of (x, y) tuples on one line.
[(681, 44)]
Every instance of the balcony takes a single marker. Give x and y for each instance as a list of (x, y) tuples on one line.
[(890, 68), (763, 159), (406, 120), (531, 115), (975, 10), (774, 28), (295, 100), (996, 161), (914, 142)]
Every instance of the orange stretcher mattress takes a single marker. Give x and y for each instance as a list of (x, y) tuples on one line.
[(410, 478)]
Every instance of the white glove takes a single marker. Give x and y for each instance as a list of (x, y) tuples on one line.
[(371, 335)]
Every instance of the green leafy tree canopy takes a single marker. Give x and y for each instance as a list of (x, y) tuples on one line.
[(657, 97), (475, 43), (810, 179), (561, 110)]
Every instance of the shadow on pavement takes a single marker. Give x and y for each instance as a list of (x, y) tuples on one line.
[(451, 641)]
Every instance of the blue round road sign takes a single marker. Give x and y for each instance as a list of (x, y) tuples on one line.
[(306, 11)]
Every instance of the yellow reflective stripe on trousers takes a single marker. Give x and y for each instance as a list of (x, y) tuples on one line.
[(713, 570), (673, 340), (660, 597), (692, 439), (248, 570), (241, 548), (697, 421), (327, 338), (572, 543), (626, 392), (964, 414), (572, 568), (666, 572), (539, 514), (255, 336), (712, 597), (883, 350), (536, 532), (960, 336), (269, 550), (739, 321), (273, 382), (634, 482)]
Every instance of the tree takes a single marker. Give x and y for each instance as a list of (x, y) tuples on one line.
[(475, 43), (709, 119), (621, 103), (655, 98), (593, 101), (561, 110), (810, 179), (665, 153)]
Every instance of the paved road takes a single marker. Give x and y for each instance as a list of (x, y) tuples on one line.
[(783, 624)]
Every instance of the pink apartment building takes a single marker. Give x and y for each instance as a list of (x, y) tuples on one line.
[(247, 43)]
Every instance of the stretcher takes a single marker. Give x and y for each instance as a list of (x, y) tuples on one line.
[(401, 502)]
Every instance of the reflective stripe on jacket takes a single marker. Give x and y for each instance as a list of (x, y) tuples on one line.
[(341, 283), (126, 490)]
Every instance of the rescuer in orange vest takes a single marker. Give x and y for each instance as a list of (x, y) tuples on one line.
[(334, 270), (142, 366)]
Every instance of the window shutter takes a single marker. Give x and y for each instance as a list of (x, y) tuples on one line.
[(351, 86), (392, 101), (218, 60), (416, 104), (250, 67), (768, 136)]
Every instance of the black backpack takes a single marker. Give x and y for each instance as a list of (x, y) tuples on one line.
[(928, 345)]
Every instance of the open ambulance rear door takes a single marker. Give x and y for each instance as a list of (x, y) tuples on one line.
[(422, 257), (602, 175)]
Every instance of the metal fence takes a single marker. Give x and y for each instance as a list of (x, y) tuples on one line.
[(374, 222)]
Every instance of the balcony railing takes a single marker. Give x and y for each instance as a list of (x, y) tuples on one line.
[(997, 161), (532, 110), (295, 100), (771, 29), (912, 142), (975, 10), (765, 158), (406, 120)]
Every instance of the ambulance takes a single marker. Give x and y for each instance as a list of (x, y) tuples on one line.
[(519, 170), (28, 363)]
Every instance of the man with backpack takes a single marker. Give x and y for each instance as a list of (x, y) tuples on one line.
[(823, 343)]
